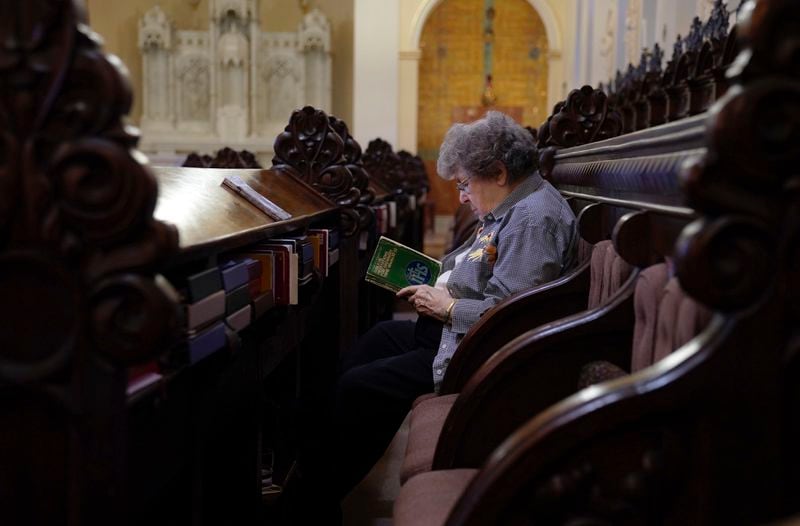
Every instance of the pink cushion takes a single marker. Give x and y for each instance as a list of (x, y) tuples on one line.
[(649, 291), (680, 319), (428, 499), (425, 426), (421, 399), (620, 271), (597, 269)]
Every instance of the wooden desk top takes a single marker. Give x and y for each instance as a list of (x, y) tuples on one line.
[(210, 217)]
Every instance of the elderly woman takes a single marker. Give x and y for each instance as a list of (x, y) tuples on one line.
[(526, 237)]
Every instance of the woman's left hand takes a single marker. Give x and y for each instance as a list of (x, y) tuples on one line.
[(427, 300)]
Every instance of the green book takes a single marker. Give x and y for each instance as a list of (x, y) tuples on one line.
[(394, 266)]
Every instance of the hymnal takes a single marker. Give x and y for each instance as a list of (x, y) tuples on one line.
[(263, 303), (238, 185), (142, 376), (394, 266), (240, 319), (392, 214), (237, 298), (319, 238), (206, 310), (235, 274), (206, 343), (266, 260), (201, 285), (286, 270)]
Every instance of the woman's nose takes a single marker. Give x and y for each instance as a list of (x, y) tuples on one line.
[(463, 197)]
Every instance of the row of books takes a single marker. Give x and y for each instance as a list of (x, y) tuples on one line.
[(385, 216), (221, 301)]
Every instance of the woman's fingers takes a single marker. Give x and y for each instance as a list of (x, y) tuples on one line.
[(407, 291)]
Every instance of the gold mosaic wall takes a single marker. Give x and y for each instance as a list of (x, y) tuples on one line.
[(451, 71)]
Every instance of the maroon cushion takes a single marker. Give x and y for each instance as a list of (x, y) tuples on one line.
[(427, 499), (422, 398), (597, 269), (680, 319), (619, 271), (424, 428), (647, 297)]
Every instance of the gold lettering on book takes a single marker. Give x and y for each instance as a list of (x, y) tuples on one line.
[(384, 263)]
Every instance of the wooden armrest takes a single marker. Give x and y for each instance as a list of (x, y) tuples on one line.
[(531, 373), (512, 317)]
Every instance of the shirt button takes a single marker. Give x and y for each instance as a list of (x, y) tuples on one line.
[(439, 372), (444, 347)]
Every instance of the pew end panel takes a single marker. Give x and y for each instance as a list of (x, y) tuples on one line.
[(530, 373)]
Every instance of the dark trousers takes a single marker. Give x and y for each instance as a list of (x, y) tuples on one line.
[(390, 367)]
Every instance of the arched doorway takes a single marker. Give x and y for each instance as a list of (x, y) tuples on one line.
[(461, 42)]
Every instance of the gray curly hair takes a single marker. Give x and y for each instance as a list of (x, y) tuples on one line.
[(478, 147)]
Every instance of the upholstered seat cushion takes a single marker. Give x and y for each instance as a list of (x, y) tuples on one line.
[(422, 398), (680, 318), (647, 298), (428, 498), (424, 428)]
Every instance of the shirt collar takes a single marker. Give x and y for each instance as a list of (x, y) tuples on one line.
[(528, 185)]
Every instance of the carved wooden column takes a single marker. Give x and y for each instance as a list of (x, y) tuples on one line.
[(79, 252)]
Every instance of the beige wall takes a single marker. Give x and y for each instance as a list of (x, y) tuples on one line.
[(117, 22)]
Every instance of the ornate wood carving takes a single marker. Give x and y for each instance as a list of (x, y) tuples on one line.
[(312, 150), (584, 117), (79, 249), (382, 163), (694, 77), (746, 183), (351, 157), (225, 158)]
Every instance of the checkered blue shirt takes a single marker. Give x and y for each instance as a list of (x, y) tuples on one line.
[(527, 240)]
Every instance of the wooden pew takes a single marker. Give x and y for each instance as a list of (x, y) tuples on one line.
[(707, 435), (89, 235)]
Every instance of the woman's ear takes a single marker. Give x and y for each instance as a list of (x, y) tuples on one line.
[(502, 174)]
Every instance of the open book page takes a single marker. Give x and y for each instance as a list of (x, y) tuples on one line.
[(237, 184)]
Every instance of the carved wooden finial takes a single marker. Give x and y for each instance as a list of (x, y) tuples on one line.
[(583, 118), (310, 149), (382, 163)]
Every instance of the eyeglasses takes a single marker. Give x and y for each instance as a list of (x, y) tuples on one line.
[(463, 186)]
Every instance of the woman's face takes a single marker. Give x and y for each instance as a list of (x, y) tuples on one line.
[(483, 195)]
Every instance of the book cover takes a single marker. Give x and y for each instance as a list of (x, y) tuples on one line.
[(286, 290), (235, 273), (203, 312), (203, 284), (266, 259), (394, 266), (238, 185)]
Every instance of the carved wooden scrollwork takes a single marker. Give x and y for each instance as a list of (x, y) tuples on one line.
[(382, 163), (79, 249), (583, 118), (351, 157), (751, 178), (314, 152)]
